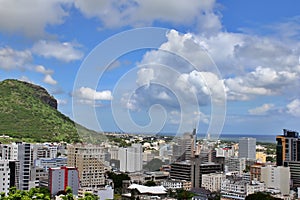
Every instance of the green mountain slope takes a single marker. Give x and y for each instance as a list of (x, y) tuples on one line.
[(28, 112)]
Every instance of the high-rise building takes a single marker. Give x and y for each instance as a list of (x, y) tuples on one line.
[(288, 147), (185, 146), (89, 160), (277, 178), (61, 177), (295, 172), (247, 148), (193, 170), (131, 158), (24, 158), (5, 176)]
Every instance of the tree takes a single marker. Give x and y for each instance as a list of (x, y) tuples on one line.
[(260, 196), (150, 183)]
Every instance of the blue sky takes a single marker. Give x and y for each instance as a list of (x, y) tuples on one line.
[(160, 66)]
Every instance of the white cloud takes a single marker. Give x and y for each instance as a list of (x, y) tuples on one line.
[(62, 102), (25, 79), (65, 51), (293, 108), (261, 110), (41, 69), (13, 59), (86, 93), (49, 80), (32, 16), (261, 81), (115, 13)]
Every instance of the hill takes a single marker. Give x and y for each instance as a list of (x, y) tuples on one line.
[(29, 113)]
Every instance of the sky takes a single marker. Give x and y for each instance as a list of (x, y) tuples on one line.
[(150, 66)]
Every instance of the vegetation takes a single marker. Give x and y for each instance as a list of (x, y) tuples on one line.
[(150, 183), (28, 113), (260, 196), (154, 165), (33, 193), (118, 180)]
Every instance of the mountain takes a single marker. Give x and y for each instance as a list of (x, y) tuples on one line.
[(29, 113)]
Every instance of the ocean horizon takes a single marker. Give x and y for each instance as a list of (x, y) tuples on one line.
[(235, 137)]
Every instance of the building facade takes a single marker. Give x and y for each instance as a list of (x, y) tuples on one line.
[(247, 148), (212, 182), (276, 177), (131, 158), (61, 177), (89, 160)]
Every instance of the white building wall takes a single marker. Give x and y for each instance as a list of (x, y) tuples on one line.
[(131, 158), (212, 181), (4, 176), (276, 177)]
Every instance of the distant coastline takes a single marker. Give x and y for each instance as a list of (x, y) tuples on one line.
[(235, 137)]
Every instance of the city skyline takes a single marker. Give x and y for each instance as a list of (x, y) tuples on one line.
[(195, 55)]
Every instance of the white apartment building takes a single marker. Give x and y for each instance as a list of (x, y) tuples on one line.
[(177, 184), (234, 164), (131, 158), (5, 176), (212, 181), (277, 178), (224, 152), (239, 189)]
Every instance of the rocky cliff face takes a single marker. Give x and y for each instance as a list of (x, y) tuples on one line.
[(42, 94)]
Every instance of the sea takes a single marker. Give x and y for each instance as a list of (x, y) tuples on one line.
[(235, 137), (259, 138)]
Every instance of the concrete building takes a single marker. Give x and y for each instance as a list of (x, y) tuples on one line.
[(177, 184), (185, 146), (255, 171), (5, 176), (131, 158), (193, 171), (89, 160), (247, 148), (277, 178), (225, 152), (181, 171), (61, 177), (212, 182), (287, 147), (24, 158), (261, 157), (235, 164), (295, 172), (239, 189)]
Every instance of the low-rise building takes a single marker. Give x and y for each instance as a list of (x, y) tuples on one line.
[(212, 182), (177, 184), (239, 189)]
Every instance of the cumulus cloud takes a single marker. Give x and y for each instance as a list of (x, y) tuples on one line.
[(41, 69), (293, 108), (14, 59), (261, 110), (261, 81), (65, 51), (49, 80), (86, 93), (32, 16), (114, 13)]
